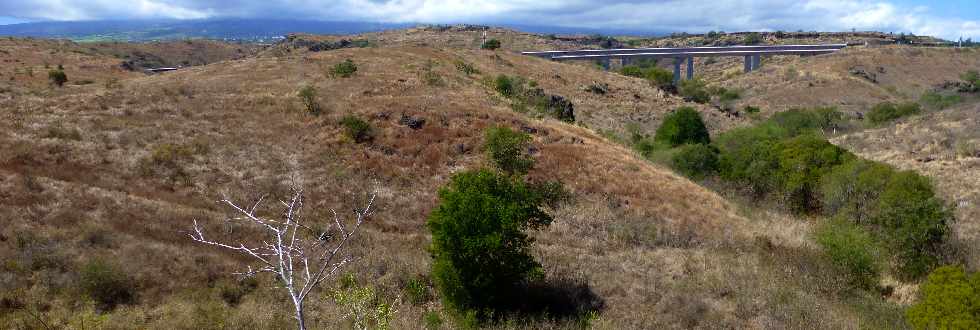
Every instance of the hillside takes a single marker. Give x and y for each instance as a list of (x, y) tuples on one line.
[(120, 172)]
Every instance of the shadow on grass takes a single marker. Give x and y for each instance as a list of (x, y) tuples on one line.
[(558, 298)]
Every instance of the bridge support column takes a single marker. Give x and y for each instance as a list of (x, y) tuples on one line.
[(748, 64), (677, 70), (690, 68), (625, 61), (605, 63), (756, 62)]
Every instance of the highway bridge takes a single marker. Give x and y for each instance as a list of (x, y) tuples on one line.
[(752, 54)]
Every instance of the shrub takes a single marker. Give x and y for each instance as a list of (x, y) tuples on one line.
[(57, 77), (683, 126), (659, 77), (938, 101), (504, 85), (728, 95), (749, 156), (694, 90), (507, 150), (887, 111), (466, 68), (491, 44), (803, 160), (308, 95), (950, 300), (417, 291), (972, 77), (356, 129), (344, 69), (852, 250), (481, 253), (796, 122), (752, 38), (851, 190), (915, 221), (751, 109), (106, 284), (632, 71), (362, 305), (696, 161)]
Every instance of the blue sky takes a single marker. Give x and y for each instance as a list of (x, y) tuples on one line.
[(948, 19)]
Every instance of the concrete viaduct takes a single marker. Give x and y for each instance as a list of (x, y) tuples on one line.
[(752, 54)]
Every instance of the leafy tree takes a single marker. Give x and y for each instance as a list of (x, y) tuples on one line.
[(915, 221), (491, 44), (480, 248), (507, 150), (950, 300), (696, 161), (683, 126), (802, 161), (750, 156), (356, 129), (57, 77), (852, 250), (852, 189)]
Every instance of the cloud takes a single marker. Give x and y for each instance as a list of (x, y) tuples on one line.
[(651, 15)]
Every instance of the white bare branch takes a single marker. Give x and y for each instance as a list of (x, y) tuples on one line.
[(290, 246)]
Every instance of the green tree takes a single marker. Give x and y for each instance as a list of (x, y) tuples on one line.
[(491, 44), (915, 221), (683, 126), (507, 150), (480, 248), (57, 77), (852, 250), (803, 160), (851, 190), (696, 161), (950, 300)]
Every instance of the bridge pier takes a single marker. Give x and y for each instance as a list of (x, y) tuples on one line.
[(690, 68), (748, 64), (605, 63), (677, 70), (756, 62)]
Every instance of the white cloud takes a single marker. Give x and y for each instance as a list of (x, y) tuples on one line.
[(659, 15)]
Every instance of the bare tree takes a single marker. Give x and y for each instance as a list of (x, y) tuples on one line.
[(299, 256)]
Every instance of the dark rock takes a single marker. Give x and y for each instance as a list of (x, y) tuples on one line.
[(860, 71), (462, 148), (412, 122)]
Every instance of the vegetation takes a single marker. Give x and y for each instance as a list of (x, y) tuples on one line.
[(507, 149), (972, 80), (107, 284), (683, 126), (694, 90), (357, 129), (915, 221), (852, 250), (307, 95), (696, 161), (57, 77), (939, 101), (752, 38), (344, 69), (525, 94), (491, 44), (657, 77), (480, 248), (466, 68), (887, 111), (950, 300)]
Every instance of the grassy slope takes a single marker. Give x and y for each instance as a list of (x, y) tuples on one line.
[(658, 249)]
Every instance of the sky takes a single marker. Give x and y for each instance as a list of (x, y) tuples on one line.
[(947, 19)]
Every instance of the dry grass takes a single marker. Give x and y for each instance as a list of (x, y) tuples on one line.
[(659, 250)]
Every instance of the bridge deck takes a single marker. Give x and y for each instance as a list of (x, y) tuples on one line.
[(694, 54), (688, 51)]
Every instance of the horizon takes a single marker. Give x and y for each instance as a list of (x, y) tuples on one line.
[(948, 20)]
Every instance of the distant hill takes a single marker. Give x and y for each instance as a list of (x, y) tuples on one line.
[(147, 30)]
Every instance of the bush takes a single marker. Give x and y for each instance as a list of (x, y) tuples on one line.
[(749, 156), (683, 126), (803, 160), (308, 95), (950, 300), (656, 76), (504, 85), (796, 122), (491, 44), (751, 109), (851, 190), (887, 111), (344, 69), (694, 90), (728, 95), (106, 284), (971, 77), (752, 38), (852, 250), (915, 221), (632, 71), (938, 101), (357, 129), (57, 77), (524, 93), (481, 253), (507, 150), (696, 161), (466, 68)]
